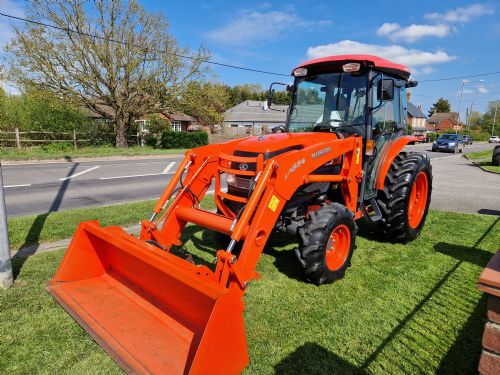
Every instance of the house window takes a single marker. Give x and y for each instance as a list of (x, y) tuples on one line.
[(234, 125), (176, 126)]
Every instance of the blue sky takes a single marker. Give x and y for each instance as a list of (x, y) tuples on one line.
[(436, 39)]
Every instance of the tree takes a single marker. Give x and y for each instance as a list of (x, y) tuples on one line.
[(442, 105), (205, 101), (133, 68)]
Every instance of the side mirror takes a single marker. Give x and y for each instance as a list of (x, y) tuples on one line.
[(270, 96), (411, 84), (385, 90), (270, 93)]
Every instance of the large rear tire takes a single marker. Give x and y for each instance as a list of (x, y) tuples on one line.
[(326, 243), (405, 199)]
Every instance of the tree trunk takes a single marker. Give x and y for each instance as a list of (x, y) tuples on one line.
[(121, 131)]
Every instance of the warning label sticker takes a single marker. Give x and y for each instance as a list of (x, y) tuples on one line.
[(273, 203)]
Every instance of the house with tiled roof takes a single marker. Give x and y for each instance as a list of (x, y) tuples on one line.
[(445, 121), (416, 118), (255, 114)]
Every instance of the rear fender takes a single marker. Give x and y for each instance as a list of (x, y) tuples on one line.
[(390, 151)]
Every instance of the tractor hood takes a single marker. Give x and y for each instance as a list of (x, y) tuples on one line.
[(272, 145)]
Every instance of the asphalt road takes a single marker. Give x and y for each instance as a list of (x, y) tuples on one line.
[(45, 187)]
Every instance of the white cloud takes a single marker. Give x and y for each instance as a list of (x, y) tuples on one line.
[(428, 69), (461, 15), (6, 32), (413, 32), (483, 90), (399, 54), (252, 26)]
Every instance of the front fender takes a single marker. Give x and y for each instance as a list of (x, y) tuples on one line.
[(389, 153)]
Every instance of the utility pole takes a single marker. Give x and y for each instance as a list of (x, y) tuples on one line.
[(462, 94), (494, 121), (469, 120), (467, 117), (6, 276)]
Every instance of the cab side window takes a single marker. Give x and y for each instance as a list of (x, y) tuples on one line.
[(388, 115)]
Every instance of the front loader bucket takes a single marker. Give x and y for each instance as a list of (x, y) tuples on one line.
[(153, 312)]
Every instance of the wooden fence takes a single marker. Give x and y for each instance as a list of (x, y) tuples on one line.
[(20, 139)]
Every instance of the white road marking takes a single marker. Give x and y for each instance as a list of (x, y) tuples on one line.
[(168, 167), (14, 186), (131, 176), (79, 173), (164, 172)]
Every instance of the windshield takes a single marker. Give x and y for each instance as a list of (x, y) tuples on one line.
[(336, 100), (448, 137)]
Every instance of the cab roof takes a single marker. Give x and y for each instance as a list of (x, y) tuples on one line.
[(376, 62)]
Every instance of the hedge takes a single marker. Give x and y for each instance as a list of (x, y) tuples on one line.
[(171, 139)]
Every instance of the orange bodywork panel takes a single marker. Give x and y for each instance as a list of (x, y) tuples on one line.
[(155, 312), (390, 151)]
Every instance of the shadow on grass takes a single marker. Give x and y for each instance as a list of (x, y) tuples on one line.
[(467, 345), (463, 355), (487, 211), (284, 260), (32, 238), (312, 359)]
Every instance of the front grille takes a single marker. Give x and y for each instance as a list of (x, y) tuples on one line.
[(243, 183)]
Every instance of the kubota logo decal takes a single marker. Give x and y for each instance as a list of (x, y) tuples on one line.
[(294, 167), (243, 166), (321, 152)]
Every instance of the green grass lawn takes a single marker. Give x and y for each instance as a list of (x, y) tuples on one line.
[(42, 153), (483, 158), (401, 309), (28, 230)]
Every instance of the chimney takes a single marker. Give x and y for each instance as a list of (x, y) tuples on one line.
[(408, 95)]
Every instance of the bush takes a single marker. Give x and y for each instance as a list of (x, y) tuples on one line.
[(151, 140), (57, 146), (432, 136), (183, 139)]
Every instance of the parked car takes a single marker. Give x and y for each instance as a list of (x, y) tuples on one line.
[(495, 159), (421, 138), (494, 139), (449, 143), (467, 139)]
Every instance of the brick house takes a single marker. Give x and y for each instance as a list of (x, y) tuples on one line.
[(445, 121)]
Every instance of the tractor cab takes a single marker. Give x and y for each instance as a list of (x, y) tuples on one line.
[(355, 94), (351, 95)]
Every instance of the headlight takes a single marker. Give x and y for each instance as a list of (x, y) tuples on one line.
[(434, 143), (231, 179)]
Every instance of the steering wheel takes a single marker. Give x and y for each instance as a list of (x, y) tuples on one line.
[(326, 127), (279, 129)]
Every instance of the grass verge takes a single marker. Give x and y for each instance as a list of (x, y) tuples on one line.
[(29, 230), (41, 153), (400, 309), (483, 159)]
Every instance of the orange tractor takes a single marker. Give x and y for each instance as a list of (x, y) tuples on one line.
[(339, 158)]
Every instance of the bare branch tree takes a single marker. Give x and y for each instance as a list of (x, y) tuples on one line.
[(133, 67)]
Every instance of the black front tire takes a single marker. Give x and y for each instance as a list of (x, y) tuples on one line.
[(394, 199), (314, 243)]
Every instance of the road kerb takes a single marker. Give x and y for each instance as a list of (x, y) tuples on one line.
[(57, 245)]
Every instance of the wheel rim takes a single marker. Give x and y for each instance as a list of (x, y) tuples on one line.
[(338, 247), (418, 200)]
